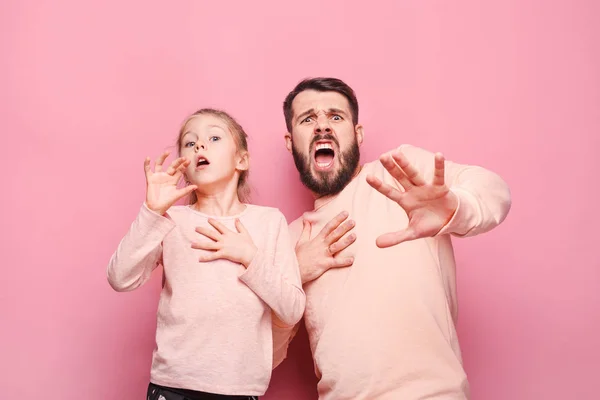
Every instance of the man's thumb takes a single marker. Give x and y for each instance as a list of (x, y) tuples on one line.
[(306, 228)]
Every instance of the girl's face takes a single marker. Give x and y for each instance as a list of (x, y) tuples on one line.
[(215, 162)]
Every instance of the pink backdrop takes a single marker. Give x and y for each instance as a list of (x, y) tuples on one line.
[(88, 91)]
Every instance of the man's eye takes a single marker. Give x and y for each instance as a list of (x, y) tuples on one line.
[(336, 118), (307, 119)]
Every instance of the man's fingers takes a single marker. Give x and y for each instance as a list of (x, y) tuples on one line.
[(385, 189), (388, 162), (342, 244), (209, 233), (306, 229), (394, 238), (438, 177), (340, 231), (410, 171), (334, 223), (342, 262)]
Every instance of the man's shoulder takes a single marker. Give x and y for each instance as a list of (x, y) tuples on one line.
[(417, 156), (371, 166), (374, 168), (409, 150), (296, 225)]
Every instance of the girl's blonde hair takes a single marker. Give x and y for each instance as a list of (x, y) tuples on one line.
[(240, 139)]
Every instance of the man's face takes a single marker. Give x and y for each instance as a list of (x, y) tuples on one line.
[(324, 141)]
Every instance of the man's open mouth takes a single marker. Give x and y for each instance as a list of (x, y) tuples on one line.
[(324, 155)]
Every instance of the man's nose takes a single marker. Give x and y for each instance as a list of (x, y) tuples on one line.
[(322, 125)]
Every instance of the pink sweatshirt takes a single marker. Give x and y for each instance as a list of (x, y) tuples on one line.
[(384, 328), (214, 319)]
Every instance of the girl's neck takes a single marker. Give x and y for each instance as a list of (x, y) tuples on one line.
[(221, 204)]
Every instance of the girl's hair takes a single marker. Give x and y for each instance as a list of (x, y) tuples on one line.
[(240, 139)]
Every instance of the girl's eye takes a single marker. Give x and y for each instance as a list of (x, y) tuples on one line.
[(190, 144), (215, 138)]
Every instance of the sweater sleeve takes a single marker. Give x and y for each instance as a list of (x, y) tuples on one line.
[(139, 252), (282, 337), (274, 276), (484, 198), (283, 333)]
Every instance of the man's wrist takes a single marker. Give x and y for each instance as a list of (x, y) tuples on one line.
[(308, 274), (452, 206)]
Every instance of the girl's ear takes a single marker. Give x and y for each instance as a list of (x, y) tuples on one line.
[(243, 163)]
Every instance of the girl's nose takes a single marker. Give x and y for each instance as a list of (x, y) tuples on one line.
[(200, 146)]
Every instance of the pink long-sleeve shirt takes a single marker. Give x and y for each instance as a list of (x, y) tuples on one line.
[(384, 328), (214, 318)]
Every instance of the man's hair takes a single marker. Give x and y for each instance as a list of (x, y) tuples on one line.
[(320, 85)]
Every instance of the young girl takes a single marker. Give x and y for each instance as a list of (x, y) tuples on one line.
[(227, 266)]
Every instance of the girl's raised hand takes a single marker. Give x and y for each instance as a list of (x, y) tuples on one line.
[(161, 186)]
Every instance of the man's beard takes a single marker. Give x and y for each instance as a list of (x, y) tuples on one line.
[(326, 183)]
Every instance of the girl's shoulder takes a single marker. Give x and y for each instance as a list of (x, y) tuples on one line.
[(179, 209), (265, 212)]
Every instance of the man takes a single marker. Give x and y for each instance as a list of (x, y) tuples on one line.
[(376, 256)]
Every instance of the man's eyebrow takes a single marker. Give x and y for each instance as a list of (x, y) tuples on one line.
[(305, 113), (337, 111)]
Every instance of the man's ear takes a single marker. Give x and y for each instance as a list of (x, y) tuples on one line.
[(243, 161), (360, 134), (288, 141)]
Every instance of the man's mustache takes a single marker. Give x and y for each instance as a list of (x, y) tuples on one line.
[(327, 136)]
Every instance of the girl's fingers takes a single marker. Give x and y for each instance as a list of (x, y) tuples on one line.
[(160, 160)]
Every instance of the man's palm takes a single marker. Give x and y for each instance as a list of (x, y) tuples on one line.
[(429, 206)]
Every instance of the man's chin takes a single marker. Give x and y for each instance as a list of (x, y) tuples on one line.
[(323, 179), (323, 182)]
